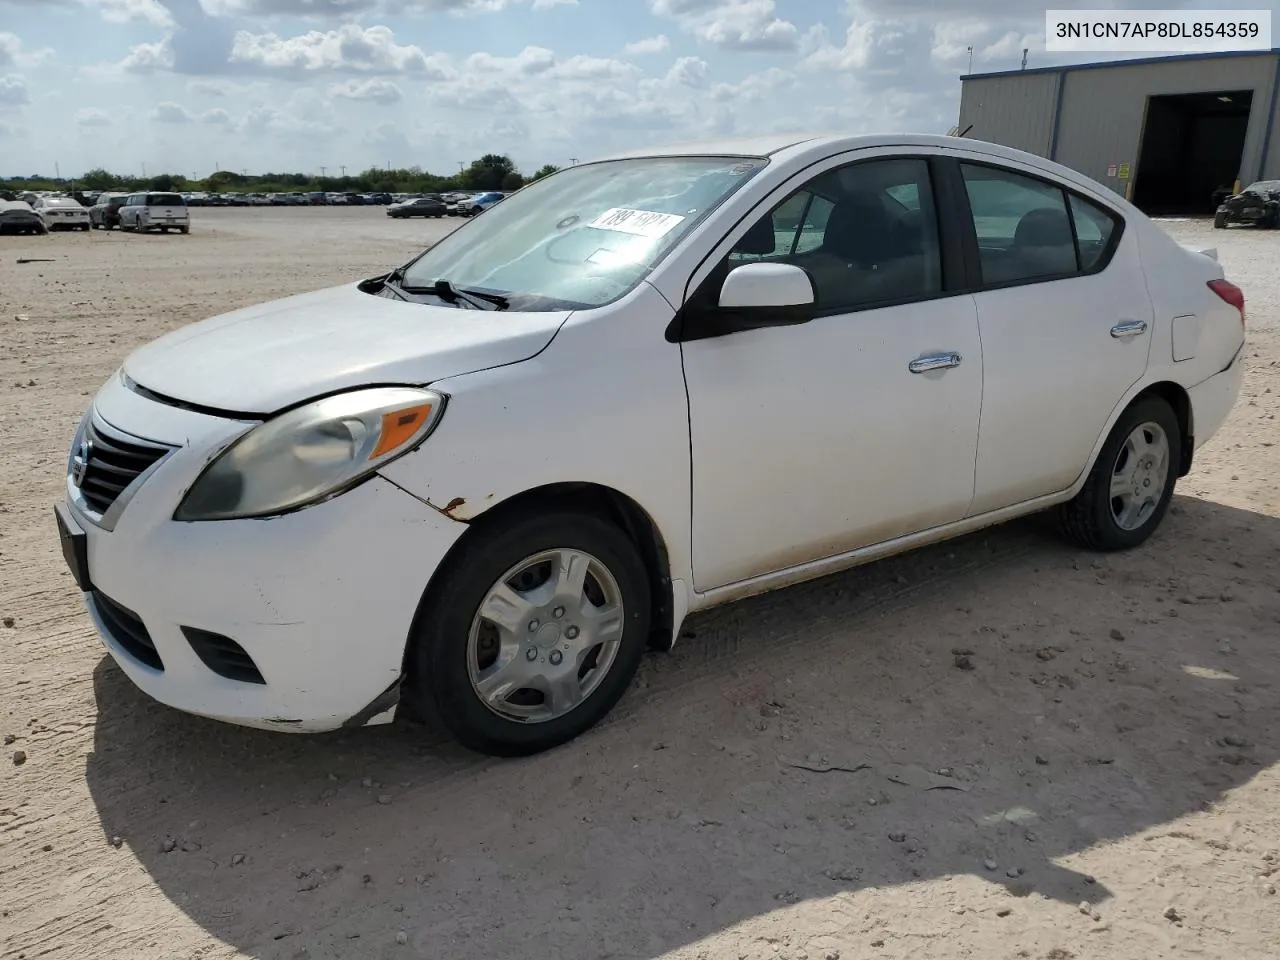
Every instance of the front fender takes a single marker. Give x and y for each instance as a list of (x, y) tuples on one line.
[(604, 403)]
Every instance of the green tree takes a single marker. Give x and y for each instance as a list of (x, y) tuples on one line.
[(165, 181), (545, 170), (99, 179), (488, 172), (512, 181)]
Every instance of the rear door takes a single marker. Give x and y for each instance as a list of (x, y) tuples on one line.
[(166, 209), (1066, 327)]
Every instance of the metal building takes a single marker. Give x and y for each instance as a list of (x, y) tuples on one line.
[(1166, 132)]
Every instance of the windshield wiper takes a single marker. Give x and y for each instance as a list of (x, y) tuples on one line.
[(447, 292)]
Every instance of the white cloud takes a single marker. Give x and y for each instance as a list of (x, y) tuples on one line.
[(124, 11), (265, 119), (349, 48), (375, 90), (92, 117), (14, 54), (13, 91), (145, 58), (591, 68), (216, 115), (732, 24), (688, 72), (529, 61), (658, 44), (344, 9), (170, 112)]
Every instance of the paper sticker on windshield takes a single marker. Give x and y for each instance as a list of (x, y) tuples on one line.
[(640, 223)]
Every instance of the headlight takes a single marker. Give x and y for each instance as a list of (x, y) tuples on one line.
[(311, 453)]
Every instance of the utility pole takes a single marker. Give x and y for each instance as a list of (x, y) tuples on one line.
[(971, 59), (1025, 51), (57, 171), (144, 171), (343, 168), (573, 161), (322, 170)]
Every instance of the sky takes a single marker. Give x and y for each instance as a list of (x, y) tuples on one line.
[(190, 86)]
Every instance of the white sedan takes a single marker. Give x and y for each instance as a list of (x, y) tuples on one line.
[(769, 360), (62, 213)]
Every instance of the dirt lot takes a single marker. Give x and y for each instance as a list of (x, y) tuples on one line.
[(1113, 751)]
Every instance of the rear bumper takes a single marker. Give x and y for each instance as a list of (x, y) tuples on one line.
[(1213, 399)]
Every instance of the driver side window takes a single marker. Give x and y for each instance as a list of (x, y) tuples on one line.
[(866, 233)]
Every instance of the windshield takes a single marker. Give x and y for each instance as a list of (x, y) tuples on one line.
[(585, 236)]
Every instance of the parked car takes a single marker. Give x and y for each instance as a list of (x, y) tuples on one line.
[(382, 199), (879, 379), (1257, 204), (62, 213), (430, 206), (318, 198), (479, 203), (16, 216), (155, 211), (105, 214)]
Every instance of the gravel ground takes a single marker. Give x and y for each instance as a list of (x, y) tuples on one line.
[(1111, 752)]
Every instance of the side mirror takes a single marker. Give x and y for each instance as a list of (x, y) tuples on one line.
[(753, 296), (764, 290)]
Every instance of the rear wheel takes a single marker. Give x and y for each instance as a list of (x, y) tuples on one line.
[(1129, 488), (532, 633), (1220, 221), (184, 230)]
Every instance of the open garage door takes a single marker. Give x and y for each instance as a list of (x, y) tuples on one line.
[(1191, 145)]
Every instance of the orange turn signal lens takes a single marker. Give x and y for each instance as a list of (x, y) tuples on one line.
[(398, 427)]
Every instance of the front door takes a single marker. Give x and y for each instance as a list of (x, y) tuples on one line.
[(859, 426)]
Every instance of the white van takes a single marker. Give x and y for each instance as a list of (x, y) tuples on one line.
[(155, 211)]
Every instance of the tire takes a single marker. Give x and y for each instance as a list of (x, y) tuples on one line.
[(1220, 221), (1091, 520), (184, 230), (449, 638)]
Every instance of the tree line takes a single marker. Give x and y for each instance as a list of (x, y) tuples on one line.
[(491, 172)]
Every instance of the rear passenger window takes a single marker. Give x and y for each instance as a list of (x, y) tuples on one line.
[(1094, 230), (1024, 231)]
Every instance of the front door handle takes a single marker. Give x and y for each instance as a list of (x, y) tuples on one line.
[(1128, 328), (934, 361)]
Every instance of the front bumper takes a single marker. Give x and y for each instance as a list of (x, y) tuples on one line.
[(320, 601)]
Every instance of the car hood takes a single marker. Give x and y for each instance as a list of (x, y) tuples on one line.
[(263, 358)]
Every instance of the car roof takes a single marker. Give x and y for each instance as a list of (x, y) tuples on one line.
[(803, 148)]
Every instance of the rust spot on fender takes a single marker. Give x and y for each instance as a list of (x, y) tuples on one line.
[(457, 503)]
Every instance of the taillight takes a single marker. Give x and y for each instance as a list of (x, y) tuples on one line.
[(1230, 293)]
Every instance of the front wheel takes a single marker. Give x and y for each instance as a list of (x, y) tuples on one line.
[(1220, 221), (532, 634), (1129, 488)]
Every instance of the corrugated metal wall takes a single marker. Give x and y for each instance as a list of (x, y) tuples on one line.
[(1016, 111), (1103, 109)]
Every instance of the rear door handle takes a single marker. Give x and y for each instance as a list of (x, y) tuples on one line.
[(1128, 328), (934, 361)]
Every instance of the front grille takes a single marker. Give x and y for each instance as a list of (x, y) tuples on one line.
[(127, 630), (223, 655), (107, 461)]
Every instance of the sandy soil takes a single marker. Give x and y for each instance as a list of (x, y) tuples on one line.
[(1113, 751)]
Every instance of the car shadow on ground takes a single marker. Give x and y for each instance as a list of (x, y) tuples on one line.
[(1018, 703)]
